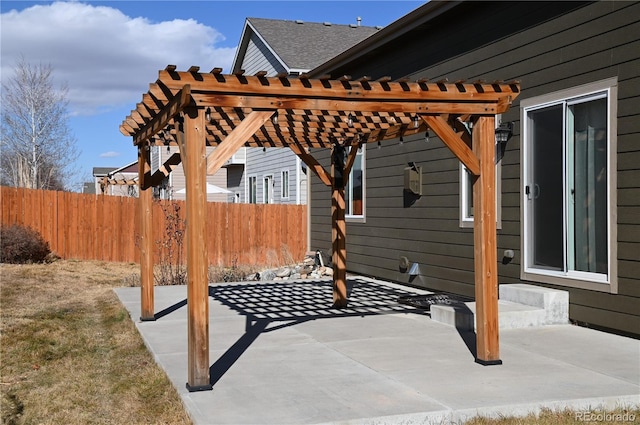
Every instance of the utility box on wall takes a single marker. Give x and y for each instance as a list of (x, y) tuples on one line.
[(413, 179)]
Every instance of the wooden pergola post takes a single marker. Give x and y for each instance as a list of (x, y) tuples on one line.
[(193, 150), (485, 247), (338, 227), (147, 307)]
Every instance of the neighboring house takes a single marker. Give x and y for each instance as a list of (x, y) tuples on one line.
[(173, 186), (126, 172), (276, 47), (569, 180)]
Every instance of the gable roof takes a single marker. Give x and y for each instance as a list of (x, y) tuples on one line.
[(131, 167), (102, 171), (300, 45)]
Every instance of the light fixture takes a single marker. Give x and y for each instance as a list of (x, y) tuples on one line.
[(426, 136), (401, 140), (416, 121), (264, 149), (350, 120), (379, 145), (207, 115), (504, 132), (274, 118)]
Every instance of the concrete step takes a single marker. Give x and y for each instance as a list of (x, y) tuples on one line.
[(554, 302), (510, 315), (519, 306)]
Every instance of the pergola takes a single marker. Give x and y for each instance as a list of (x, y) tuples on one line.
[(193, 110)]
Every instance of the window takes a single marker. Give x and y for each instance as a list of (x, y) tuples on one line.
[(466, 191), (284, 194), (466, 196), (569, 189), (253, 189), (355, 189), (267, 190)]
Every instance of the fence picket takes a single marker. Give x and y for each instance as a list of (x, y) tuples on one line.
[(101, 227)]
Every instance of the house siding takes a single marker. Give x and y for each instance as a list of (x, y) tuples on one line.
[(272, 163), (178, 181), (548, 47), (259, 58)]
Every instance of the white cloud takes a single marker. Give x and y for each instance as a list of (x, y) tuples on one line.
[(106, 58), (109, 154)]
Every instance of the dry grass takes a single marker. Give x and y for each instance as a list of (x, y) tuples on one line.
[(566, 417), (71, 354)]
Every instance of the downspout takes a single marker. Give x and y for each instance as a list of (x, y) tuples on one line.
[(308, 181), (297, 181)]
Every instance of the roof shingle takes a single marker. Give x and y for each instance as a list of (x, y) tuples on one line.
[(305, 45)]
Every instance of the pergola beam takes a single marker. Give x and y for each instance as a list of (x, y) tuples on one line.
[(165, 169), (457, 146), (236, 139), (379, 91), (406, 107), (312, 163), (161, 119)]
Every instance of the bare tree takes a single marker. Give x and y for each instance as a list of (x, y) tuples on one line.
[(38, 148)]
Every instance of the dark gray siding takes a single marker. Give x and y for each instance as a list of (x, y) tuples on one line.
[(548, 47)]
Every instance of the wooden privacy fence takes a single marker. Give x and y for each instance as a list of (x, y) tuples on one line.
[(99, 227)]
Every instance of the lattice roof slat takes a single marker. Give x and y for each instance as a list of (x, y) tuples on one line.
[(311, 111)]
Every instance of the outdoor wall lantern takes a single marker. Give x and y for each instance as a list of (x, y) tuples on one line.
[(274, 118), (504, 132)]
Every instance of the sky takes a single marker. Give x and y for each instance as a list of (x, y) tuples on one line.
[(107, 52)]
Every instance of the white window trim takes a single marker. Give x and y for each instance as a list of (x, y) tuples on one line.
[(363, 217), (248, 188), (465, 220), (282, 187), (264, 192), (574, 279)]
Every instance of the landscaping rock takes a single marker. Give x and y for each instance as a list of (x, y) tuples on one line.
[(284, 272), (268, 275)]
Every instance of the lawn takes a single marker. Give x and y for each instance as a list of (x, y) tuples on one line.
[(71, 354)]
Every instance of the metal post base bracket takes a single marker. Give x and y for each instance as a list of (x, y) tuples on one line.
[(489, 362), (196, 388)]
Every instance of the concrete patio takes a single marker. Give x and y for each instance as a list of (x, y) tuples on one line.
[(280, 355)]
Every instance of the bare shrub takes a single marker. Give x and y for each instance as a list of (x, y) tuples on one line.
[(272, 258), (20, 244), (234, 273), (285, 255), (171, 269)]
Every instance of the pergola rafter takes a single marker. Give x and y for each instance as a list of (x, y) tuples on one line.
[(194, 110)]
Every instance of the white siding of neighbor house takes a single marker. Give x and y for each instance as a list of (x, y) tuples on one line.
[(272, 163), (259, 58), (177, 180)]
